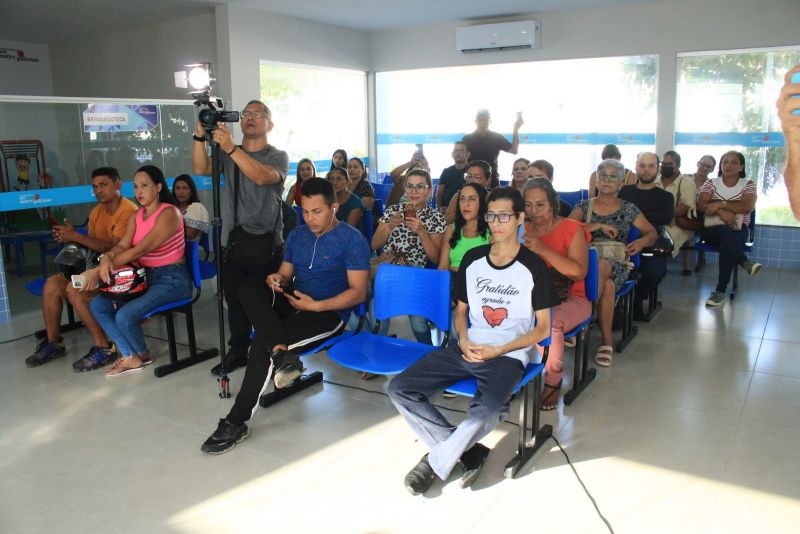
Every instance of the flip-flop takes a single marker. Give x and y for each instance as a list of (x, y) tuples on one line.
[(605, 353), (117, 371), (546, 397)]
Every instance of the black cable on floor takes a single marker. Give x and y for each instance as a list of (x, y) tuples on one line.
[(569, 462), (16, 338)]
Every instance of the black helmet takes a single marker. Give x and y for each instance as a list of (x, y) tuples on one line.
[(127, 283), (75, 258)]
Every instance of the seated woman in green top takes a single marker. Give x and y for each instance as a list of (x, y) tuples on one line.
[(470, 229)]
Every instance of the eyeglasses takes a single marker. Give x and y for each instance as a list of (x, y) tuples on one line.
[(419, 188), (607, 177), (253, 114), (470, 176), (502, 217), (705, 166)]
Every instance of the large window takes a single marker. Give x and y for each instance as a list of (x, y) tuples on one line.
[(726, 101), (316, 110), (571, 109)]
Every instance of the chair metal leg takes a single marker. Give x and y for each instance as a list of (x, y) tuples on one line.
[(300, 384), (629, 331), (582, 374), (194, 357), (72, 324), (526, 449)]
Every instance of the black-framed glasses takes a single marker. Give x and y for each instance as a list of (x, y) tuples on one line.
[(490, 217), (419, 188), (253, 114)]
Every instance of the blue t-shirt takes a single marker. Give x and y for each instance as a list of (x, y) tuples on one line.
[(321, 264), (353, 203)]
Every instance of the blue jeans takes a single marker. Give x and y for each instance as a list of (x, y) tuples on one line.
[(122, 323), (411, 389), (419, 325)]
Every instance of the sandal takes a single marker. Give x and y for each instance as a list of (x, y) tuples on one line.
[(124, 365), (366, 376), (546, 404), (604, 355)]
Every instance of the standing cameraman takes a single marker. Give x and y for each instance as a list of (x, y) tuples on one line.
[(251, 213)]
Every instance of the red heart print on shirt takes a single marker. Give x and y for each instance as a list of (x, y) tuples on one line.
[(493, 316)]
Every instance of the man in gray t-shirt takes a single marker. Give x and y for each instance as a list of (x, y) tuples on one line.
[(262, 170)]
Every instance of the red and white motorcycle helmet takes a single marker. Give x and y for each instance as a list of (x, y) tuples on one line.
[(127, 282)]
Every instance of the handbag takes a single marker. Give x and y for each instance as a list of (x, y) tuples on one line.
[(684, 222), (663, 246), (608, 249), (245, 247), (390, 255)]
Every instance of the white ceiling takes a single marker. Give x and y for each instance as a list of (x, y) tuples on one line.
[(52, 21)]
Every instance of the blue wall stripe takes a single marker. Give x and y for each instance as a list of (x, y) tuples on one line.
[(746, 139), (528, 138), (82, 194)]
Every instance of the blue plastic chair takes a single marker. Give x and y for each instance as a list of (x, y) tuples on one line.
[(528, 410), (584, 194), (582, 374), (399, 290), (571, 197), (382, 191), (183, 306), (624, 296), (702, 247)]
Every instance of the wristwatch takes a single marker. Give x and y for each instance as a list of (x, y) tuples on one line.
[(198, 138)]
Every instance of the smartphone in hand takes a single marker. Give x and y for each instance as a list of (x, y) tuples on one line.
[(288, 291), (419, 150)]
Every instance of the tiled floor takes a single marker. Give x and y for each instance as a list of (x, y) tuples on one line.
[(696, 428)]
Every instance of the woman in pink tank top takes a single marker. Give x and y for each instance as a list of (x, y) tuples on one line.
[(155, 240)]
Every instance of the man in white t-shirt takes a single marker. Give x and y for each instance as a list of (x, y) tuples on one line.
[(502, 288)]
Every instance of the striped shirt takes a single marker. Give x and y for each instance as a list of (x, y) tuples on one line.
[(719, 191), (170, 251)]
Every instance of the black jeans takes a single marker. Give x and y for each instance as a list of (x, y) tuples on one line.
[(274, 325), (652, 269), (234, 274), (731, 250)]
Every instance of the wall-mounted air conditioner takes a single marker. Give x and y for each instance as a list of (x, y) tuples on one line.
[(503, 36)]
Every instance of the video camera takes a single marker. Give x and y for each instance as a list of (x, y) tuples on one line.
[(212, 111)]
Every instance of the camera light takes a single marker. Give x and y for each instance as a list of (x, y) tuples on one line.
[(200, 77)]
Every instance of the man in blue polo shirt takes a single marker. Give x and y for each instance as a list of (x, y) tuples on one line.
[(323, 276)]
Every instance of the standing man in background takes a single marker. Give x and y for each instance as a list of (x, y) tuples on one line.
[(484, 144)]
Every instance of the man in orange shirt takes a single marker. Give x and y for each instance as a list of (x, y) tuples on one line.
[(107, 224)]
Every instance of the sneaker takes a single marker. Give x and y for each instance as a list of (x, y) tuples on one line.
[(569, 342), (420, 478), (717, 298), (96, 357), (473, 461), (225, 437), (231, 363), (288, 368), (751, 268), (46, 351)]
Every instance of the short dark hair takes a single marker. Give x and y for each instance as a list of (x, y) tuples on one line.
[(487, 169), (319, 186), (611, 152), (545, 166), (510, 193), (340, 170), (418, 171), (22, 157), (111, 172), (157, 177), (267, 111), (192, 187), (675, 156)]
